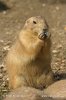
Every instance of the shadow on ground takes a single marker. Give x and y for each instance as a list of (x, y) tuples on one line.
[(3, 6), (60, 76)]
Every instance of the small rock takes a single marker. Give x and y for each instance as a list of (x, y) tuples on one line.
[(5, 90), (59, 46), (4, 69), (57, 8), (3, 84), (56, 63), (7, 43), (1, 41), (2, 66), (6, 48), (55, 51), (62, 65), (43, 4), (7, 79), (63, 61), (4, 12), (8, 33)]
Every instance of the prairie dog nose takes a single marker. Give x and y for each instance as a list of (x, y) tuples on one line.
[(45, 33)]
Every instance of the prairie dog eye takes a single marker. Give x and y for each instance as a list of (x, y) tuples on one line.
[(34, 22)]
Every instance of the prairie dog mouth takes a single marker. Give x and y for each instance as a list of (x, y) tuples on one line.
[(43, 35)]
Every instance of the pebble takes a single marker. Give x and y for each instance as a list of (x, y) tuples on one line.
[(6, 48), (4, 12), (4, 69), (4, 90), (55, 51), (2, 41), (57, 8), (7, 79), (7, 43), (8, 33), (63, 61), (56, 63), (62, 65), (1, 66), (43, 4), (3, 84), (59, 46)]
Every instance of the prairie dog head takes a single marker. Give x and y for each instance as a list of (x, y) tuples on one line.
[(38, 26)]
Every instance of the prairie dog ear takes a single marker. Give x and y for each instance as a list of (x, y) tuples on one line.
[(30, 20), (27, 23)]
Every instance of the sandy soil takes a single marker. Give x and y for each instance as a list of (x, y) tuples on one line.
[(13, 14)]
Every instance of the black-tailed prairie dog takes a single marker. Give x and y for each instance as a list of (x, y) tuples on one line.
[(28, 61), (57, 90)]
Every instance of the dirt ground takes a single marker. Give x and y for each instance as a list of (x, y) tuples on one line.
[(13, 14)]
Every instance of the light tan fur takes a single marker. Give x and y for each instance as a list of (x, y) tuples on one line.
[(28, 61)]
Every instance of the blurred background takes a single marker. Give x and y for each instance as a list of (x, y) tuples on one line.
[(13, 14)]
